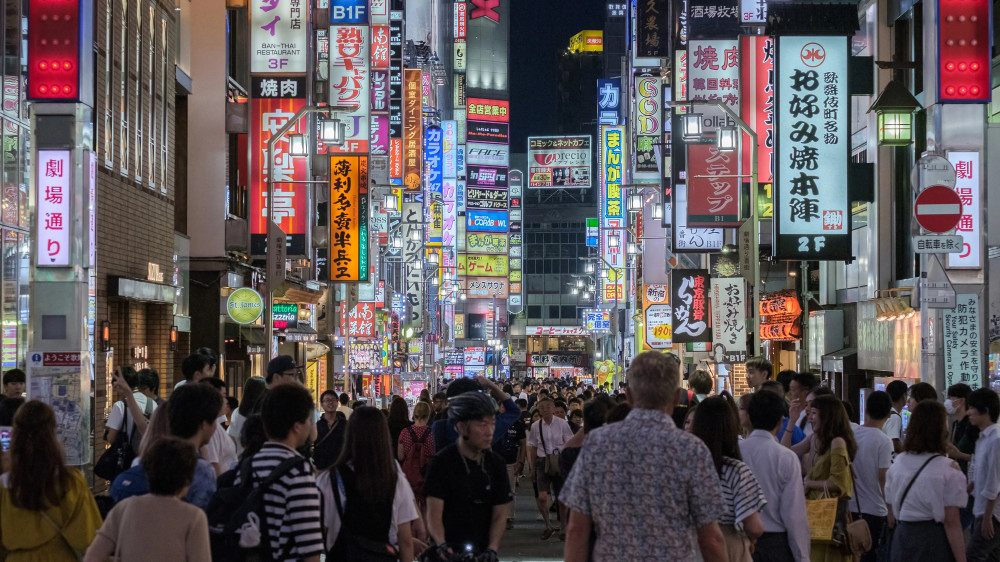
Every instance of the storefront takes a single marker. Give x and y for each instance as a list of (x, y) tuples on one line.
[(558, 365)]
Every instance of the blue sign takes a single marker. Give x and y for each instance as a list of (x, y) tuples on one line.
[(348, 11), (434, 160), (485, 221), (609, 102)]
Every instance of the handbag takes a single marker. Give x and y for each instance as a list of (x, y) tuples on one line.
[(551, 460), (857, 534), (823, 515), (118, 457), (899, 509)]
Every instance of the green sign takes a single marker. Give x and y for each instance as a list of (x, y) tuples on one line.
[(765, 201), (245, 306), (285, 316)]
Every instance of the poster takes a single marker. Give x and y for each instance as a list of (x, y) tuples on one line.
[(690, 302), (656, 317), (963, 349), (729, 338), (62, 380)]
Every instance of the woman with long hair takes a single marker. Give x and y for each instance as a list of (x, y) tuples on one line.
[(925, 520), (46, 509), (365, 493), (415, 447), (716, 424), (830, 472), (253, 391), (399, 419)]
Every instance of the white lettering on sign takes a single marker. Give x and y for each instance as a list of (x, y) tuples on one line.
[(53, 220), (278, 36), (153, 272)]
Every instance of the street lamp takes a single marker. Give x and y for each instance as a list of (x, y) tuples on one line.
[(691, 126), (332, 131), (657, 212), (894, 108), (726, 139), (390, 203), (415, 235), (397, 242), (635, 202), (613, 240), (633, 248), (589, 268), (298, 145)]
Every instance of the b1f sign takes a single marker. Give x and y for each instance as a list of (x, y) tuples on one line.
[(348, 11), (278, 36), (54, 220)]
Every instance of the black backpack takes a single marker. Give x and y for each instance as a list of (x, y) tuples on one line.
[(236, 507)]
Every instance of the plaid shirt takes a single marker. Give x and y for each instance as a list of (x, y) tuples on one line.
[(647, 486)]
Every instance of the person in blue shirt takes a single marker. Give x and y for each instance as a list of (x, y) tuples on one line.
[(189, 414), (444, 431), (777, 388)]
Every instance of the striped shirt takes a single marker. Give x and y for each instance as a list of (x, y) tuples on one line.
[(741, 493), (292, 505)]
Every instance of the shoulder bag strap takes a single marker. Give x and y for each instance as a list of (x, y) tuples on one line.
[(336, 422), (854, 488), (910, 485), (59, 530), (541, 434)]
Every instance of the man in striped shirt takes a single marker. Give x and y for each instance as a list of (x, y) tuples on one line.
[(293, 503)]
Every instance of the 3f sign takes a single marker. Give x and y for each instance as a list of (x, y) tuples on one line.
[(277, 64)]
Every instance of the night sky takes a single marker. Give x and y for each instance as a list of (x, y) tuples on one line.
[(540, 29)]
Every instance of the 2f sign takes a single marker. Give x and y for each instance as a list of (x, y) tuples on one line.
[(812, 244), (349, 11)]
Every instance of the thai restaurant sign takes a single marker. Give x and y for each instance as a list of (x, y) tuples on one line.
[(279, 36)]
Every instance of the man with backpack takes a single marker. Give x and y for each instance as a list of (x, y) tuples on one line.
[(139, 406), (275, 490)]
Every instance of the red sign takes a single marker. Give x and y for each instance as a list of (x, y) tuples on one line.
[(712, 201), (480, 109), (380, 46), (757, 102), (938, 209), (362, 321), (275, 100), (485, 8), (413, 129), (395, 158), (460, 23), (964, 43), (53, 49)]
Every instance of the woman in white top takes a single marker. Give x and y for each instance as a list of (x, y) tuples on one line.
[(253, 392), (367, 501), (924, 491)]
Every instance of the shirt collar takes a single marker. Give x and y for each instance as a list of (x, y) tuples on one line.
[(643, 414), (991, 430), (762, 434)]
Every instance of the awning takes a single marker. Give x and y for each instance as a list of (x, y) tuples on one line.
[(247, 334), (146, 291), (293, 291), (300, 334)]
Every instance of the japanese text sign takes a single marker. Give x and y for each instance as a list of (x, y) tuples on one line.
[(656, 317), (488, 110), (729, 338), (757, 101), (963, 351), (413, 129), (612, 160), (714, 74), (713, 191), (713, 19), (279, 42), (653, 28), (812, 146), (559, 162), (647, 124), (690, 300), (968, 185), (348, 218), (361, 322), (54, 219), (608, 102), (350, 83)]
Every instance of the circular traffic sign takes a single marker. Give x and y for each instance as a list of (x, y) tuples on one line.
[(932, 169), (938, 209)]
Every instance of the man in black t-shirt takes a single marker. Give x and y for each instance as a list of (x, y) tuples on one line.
[(467, 489), (512, 447)]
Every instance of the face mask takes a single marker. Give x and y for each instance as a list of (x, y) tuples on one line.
[(950, 407)]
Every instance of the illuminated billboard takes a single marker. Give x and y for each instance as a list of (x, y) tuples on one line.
[(559, 162)]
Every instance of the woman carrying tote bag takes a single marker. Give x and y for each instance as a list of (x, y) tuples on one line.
[(830, 475)]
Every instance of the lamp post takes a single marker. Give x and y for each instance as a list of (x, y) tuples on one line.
[(692, 130), (337, 130)]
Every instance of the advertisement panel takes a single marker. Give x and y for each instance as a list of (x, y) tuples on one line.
[(713, 19), (412, 129), (475, 356), (450, 129), (657, 317), (492, 177), (486, 243), (348, 218), (647, 124), (412, 254), (487, 199), (559, 162), (712, 201), (480, 109), (487, 154), (380, 46), (449, 233), (968, 186), (962, 348), (273, 101), (590, 41), (433, 179), (485, 221), (653, 26), (609, 107), (53, 220), (350, 83), (729, 331), (486, 131), (714, 73), (612, 161), (361, 321), (812, 213), (597, 320), (690, 302), (757, 101), (753, 11), (279, 40), (482, 265), (485, 287)]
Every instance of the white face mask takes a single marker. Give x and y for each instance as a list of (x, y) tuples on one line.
[(949, 405)]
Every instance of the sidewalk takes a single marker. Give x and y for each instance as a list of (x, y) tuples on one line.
[(523, 543)]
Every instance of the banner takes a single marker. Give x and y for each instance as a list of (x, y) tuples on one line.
[(690, 301), (483, 265), (350, 84), (486, 243), (486, 221), (729, 331), (412, 129), (348, 218), (647, 125), (485, 287), (612, 160), (559, 162), (656, 317)]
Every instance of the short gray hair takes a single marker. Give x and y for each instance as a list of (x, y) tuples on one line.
[(653, 380)]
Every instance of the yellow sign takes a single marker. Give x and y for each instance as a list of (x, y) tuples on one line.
[(590, 40), (486, 265), (245, 306), (348, 218), (459, 326), (515, 276), (485, 243)]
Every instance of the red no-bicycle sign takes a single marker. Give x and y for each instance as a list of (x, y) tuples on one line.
[(938, 209)]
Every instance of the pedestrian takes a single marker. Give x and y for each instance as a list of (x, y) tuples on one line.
[(253, 391), (779, 474), (830, 474), (618, 486), (984, 542), (801, 385), (366, 495), (196, 367), (220, 451), (894, 425), (444, 430), (415, 447), (440, 405), (47, 512), (228, 408), (399, 419), (283, 370), (594, 413), (157, 526), (924, 491), (689, 420), (918, 393), (294, 527), (716, 425), (343, 408), (149, 385), (467, 488), (870, 467), (759, 370), (329, 432), (797, 434), (962, 444), (131, 413), (545, 439), (701, 383), (743, 415), (513, 448)]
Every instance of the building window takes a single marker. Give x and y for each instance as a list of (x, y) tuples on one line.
[(535, 312)]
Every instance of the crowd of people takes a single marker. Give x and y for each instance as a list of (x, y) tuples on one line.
[(650, 470)]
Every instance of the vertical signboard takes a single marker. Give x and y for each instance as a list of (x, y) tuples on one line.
[(812, 214), (412, 257), (963, 351), (350, 83), (757, 101), (689, 300), (729, 331), (653, 28), (612, 159), (433, 174), (713, 190), (609, 101), (515, 301), (413, 129), (964, 50), (348, 218), (273, 101), (648, 125), (279, 40), (53, 220), (968, 185), (657, 316)]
